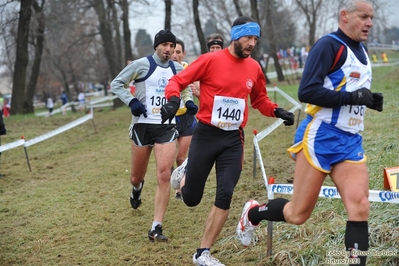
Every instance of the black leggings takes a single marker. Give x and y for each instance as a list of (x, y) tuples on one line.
[(209, 145)]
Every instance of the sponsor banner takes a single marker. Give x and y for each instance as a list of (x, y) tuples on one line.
[(332, 192)]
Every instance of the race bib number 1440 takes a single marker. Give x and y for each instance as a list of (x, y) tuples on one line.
[(228, 112)]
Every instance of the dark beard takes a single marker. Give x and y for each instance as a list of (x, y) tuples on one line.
[(238, 50)]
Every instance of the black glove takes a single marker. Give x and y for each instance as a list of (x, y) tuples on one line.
[(362, 96), (378, 100), (137, 108), (192, 109), (288, 117), (169, 109)]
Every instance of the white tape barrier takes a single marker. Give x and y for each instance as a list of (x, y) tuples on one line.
[(272, 75), (103, 99), (55, 111), (384, 196), (101, 102), (260, 135), (97, 103), (46, 136), (11, 145), (59, 130), (392, 63), (106, 101)]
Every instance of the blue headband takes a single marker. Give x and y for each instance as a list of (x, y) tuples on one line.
[(247, 29)]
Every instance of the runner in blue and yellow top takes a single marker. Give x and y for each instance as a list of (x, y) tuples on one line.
[(336, 85)]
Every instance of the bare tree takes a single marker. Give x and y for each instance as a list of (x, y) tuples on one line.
[(96, 37), (22, 57), (106, 24), (198, 27), (310, 9), (168, 14), (272, 39), (238, 8), (126, 30), (225, 12), (78, 63), (184, 28), (115, 30), (39, 43), (255, 15)]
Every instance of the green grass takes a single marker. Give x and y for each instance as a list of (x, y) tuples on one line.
[(73, 208)]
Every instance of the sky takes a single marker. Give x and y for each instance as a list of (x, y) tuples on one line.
[(154, 21), (392, 11)]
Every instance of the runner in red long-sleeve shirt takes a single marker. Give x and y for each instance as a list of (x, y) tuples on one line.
[(227, 78), (222, 74)]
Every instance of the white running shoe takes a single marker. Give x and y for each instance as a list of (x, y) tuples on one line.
[(177, 175), (245, 230), (206, 260)]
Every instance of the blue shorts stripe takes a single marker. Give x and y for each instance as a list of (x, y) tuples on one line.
[(325, 145)]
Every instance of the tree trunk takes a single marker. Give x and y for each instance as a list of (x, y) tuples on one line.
[(31, 89), (108, 44), (238, 9), (200, 33), (268, 81), (126, 31), (168, 14), (21, 59), (118, 45), (255, 15), (272, 44), (310, 9), (312, 32), (106, 36)]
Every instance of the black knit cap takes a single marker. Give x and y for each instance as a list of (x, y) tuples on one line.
[(164, 36)]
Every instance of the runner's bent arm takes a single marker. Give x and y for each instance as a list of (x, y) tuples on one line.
[(259, 98), (133, 71)]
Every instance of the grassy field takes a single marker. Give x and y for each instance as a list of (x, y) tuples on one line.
[(73, 208)]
